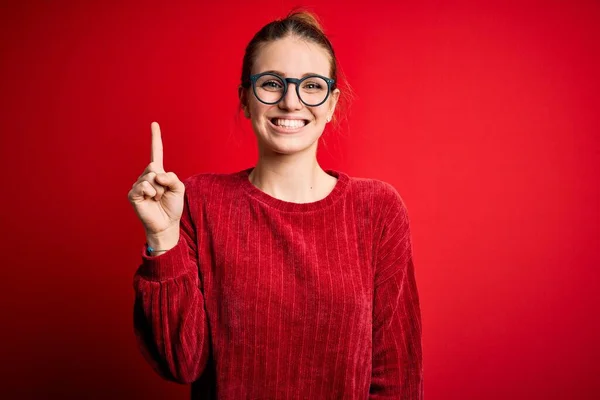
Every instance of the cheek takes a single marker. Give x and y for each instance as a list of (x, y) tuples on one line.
[(258, 109), (320, 113)]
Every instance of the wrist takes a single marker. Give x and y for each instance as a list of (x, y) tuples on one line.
[(151, 251), (163, 241)]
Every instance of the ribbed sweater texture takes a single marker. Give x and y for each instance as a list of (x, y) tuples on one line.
[(267, 299)]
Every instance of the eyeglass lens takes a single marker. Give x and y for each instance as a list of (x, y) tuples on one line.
[(313, 91)]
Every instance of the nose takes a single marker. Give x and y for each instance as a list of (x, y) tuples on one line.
[(290, 101)]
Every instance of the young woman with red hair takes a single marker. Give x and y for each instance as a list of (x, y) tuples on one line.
[(283, 280)]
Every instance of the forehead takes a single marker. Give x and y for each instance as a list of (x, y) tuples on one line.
[(292, 56)]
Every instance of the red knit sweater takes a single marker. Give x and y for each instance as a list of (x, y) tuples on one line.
[(267, 299)]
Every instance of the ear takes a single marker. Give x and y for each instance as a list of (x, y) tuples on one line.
[(335, 96), (243, 96)]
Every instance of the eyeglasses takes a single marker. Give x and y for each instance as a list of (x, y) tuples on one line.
[(270, 88)]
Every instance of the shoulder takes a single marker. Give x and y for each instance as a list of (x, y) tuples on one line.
[(207, 184), (381, 193), (208, 179), (385, 206)]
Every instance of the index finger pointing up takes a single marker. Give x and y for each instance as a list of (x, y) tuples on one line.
[(157, 147)]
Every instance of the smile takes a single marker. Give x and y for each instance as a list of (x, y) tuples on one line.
[(288, 124)]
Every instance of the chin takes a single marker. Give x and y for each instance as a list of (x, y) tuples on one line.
[(288, 143), (290, 146)]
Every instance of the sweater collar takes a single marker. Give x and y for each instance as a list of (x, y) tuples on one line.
[(338, 191)]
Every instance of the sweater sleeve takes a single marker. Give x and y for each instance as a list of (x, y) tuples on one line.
[(170, 322), (397, 370)]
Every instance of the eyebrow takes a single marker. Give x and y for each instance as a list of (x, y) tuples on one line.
[(283, 73)]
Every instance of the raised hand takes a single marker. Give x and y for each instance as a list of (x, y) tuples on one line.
[(157, 197)]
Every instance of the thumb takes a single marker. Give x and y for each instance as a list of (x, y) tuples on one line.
[(170, 181)]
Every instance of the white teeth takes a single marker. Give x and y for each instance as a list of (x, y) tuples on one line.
[(289, 123)]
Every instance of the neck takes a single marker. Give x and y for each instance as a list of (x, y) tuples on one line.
[(295, 178)]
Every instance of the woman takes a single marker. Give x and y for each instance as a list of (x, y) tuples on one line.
[(282, 280)]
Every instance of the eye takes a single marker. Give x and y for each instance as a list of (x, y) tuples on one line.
[(314, 85), (272, 85)]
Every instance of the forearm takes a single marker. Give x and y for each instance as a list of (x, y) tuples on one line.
[(169, 316), (397, 353)]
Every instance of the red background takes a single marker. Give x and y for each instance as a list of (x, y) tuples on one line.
[(484, 115)]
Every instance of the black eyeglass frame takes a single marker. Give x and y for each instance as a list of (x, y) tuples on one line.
[(286, 82)]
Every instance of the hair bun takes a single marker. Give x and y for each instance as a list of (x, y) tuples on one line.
[(306, 18)]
